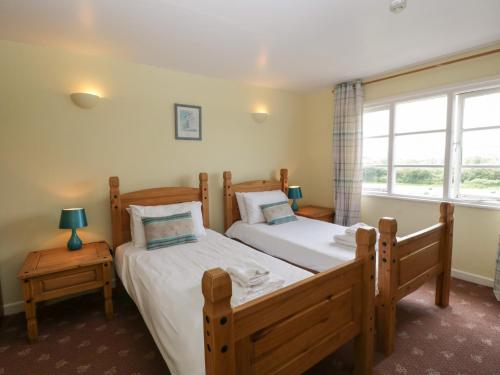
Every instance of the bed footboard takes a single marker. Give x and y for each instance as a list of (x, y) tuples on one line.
[(405, 264), (292, 329)]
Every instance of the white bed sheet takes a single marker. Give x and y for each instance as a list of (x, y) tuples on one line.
[(306, 242), (165, 284)]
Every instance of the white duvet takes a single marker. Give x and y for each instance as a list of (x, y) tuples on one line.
[(165, 284), (305, 242)]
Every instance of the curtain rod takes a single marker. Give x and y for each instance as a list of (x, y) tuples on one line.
[(437, 65)]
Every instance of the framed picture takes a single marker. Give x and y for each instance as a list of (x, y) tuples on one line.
[(187, 122)]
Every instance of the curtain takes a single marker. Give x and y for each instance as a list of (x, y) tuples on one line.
[(347, 151), (496, 287)]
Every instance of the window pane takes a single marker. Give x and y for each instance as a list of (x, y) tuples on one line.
[(480, 182), (481, 111), (481, 147), (421, 115), (375, 178), (420, 148), (376, 123), (424, 182), (375, 151)]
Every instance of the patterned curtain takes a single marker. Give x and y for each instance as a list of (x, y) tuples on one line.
[(496, 288), (347, 151)]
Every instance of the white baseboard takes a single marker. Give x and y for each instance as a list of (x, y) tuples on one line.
[(473, 278), (13, 308)]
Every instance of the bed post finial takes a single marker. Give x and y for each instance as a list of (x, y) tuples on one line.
[(204, 198), (446, 210), (284, 180), (366, 238), (365, 241), (387, 283), (228, 200), (218, 323), (114, 181), (116, 208), (443, 280)]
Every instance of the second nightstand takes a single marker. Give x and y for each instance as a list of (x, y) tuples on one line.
[(317, 212), (55, 273)]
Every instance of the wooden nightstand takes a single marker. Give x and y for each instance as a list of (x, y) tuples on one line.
[(55, 273), (317, 212)]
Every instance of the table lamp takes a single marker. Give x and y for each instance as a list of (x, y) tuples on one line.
[(73, 218), (294, 193)]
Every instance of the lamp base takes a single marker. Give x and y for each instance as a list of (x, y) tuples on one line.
[(295, 205), (74, 243)]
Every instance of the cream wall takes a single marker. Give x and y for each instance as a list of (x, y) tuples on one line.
[(476, 230), (56, 155)]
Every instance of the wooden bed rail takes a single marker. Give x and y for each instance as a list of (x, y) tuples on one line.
[(407, 263), (290, 330)]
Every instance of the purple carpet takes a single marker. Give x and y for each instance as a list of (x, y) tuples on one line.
[(76, 339)]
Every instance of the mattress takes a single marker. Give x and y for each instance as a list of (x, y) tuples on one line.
[(165, 284), (306, 242)]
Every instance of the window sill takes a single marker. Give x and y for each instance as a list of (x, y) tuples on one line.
[(456, 202)]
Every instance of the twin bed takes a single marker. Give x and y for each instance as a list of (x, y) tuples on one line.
[(190, 305), (403, 264), (193, 310)]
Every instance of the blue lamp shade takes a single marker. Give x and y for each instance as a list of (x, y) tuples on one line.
[(73, 218), (294, 192)]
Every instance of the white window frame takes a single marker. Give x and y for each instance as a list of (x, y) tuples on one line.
[(388, 136), (452, 122), (459, 130)]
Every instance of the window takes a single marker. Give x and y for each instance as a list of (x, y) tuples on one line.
[(477, 146), (375, 146), (419, 143), (444, 145)]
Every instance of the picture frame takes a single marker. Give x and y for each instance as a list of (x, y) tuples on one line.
[(187, 122)]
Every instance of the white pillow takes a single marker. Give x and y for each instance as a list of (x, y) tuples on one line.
[(129, 210), (254, 200), (241, 205), (137, 212)]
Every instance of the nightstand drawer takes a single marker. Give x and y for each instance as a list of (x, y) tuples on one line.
[(317, 213), (327, 218), (67, 282)]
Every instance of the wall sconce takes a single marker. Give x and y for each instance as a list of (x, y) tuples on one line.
[(260, 117), (84, 100)]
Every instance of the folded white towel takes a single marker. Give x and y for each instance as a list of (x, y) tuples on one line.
[(248, 273), (345, 239), (353, 228), (245, 282), (242, 295), (349, 238)]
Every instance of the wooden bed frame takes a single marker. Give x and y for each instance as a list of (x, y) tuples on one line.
[(287, 331), (405, 263), (120, 219)]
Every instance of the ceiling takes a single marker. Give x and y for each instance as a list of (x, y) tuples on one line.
[(292, 44)]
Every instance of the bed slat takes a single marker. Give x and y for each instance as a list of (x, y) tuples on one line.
[(280, 305), (303, 331), (417, 282), (321, 315), (420, 239), (320, 350), (417, 262)]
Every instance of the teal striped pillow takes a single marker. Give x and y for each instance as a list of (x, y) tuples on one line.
[(278, 213), (168, 230)]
